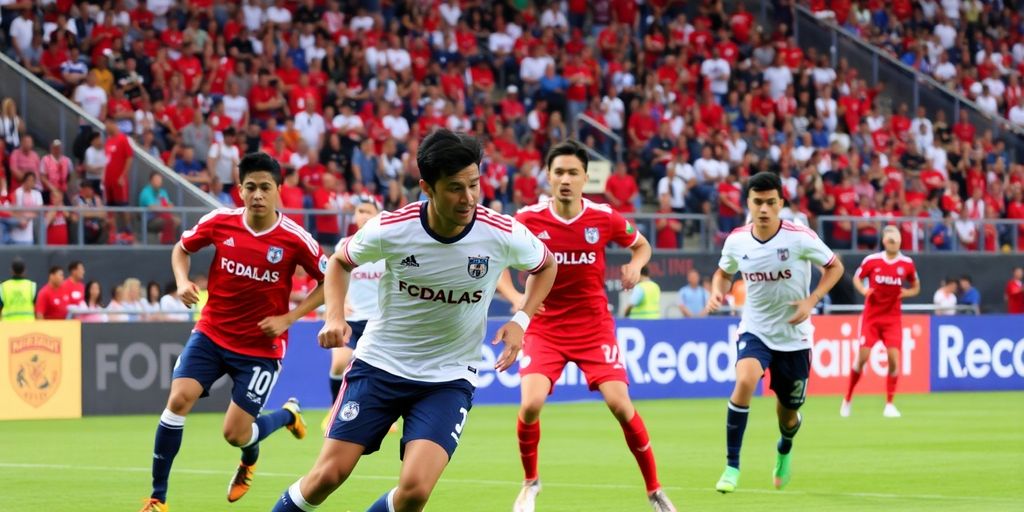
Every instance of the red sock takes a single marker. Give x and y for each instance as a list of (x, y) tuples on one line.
[(854, 377), (529, 438), (890, 387), (640, 444)]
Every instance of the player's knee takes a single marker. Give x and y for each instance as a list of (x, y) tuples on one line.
[(327, 478), (412, 496), (180, 403), (237, 436), (622, 410), (530, 409)]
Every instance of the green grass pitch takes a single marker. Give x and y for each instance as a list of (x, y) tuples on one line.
[(949, 452)]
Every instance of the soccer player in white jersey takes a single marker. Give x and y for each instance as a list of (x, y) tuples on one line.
[(361, 306), (774, 257), (420, 359)]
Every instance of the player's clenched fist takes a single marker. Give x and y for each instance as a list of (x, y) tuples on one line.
[(512, 334), (714, 302), (334, 334), (188, 294)]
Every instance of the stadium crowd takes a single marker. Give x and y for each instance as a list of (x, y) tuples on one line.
[(340, 92)]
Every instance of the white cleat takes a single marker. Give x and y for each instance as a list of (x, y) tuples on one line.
[(891, 411), (527, 498), (844, 409), (660, 502)]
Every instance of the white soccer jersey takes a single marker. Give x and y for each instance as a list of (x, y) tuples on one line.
[(435, 292), (777, 272), (363, 286)]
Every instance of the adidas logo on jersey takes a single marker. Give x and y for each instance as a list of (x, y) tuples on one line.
[(409, 261), (745, 257), (544, 235), (230, 242)]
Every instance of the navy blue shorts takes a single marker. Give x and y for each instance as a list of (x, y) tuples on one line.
[(371, 400), (789, 369), (358, 327), (253, 378)]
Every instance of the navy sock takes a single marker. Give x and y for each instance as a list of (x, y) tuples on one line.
[(292, 501), (165, 448), (786, 440), (250, 454), (735, 425), (382, 503), (336, 381), (268, 423)]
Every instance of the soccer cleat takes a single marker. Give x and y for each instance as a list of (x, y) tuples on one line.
[(729, 480), (844, 409), (298, 425), (660, 502), (527, 496), (153, 505), (240, 483), (891, 411), (781, 474)]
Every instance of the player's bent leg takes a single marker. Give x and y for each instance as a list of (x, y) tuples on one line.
[(184, 393), (167, 441), (616, 396), (845, 408), (789, 424), (333, 466), (533, 393), (893, 354), (748, 372), (422, 466)]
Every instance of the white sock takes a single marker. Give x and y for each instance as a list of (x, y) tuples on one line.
[(296, 495), (255, 436), (391, 499), (169, 419)]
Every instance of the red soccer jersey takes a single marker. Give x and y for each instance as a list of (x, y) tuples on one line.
[(73, 293), (250, 277), (885, 280), (576, 310), (50, 303)]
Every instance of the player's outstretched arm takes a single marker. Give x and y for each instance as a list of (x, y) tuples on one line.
[(721, 281), (336, 331), (181, 262), (537, 287), (641, 254)]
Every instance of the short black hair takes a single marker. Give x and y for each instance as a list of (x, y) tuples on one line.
[(763, 182), (18, 266), (73, 265), (966, 277), (645, 271), (259, 162), (54, 269), (568, 147), (444, 153)]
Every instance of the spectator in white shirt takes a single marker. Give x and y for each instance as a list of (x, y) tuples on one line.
[(310, 125), (823, 74), (450, 12), (673, 187), (236, 106), (946, 33), (717, 70), (778, 77), (1017, 112), (986, 102), (827, 109), (222, 161), (394, 122), (279, 14), (553, 17), (26, 195), (91, 97), (22, 29)]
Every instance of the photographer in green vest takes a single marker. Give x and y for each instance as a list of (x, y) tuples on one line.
[(17, 295), (645, 302)]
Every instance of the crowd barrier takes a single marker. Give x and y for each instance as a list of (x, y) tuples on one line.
[(64, 369)]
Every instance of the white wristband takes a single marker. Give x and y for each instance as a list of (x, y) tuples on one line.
[(521, 319)]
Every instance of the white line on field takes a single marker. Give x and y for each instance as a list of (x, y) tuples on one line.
[(470, 481)]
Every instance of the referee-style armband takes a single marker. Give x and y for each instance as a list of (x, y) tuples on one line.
[(521, 319)]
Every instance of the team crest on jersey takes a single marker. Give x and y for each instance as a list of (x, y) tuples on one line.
[(899, 271), (591, 235), (274, 254), (478, 266), (783, 254), (349, 411), (322, 263)]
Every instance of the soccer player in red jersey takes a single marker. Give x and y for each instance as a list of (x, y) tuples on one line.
[(243, 331), (575, 325), (881, 320)]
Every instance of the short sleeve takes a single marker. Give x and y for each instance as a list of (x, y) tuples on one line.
[(311, 256), (862, 269), (728, 262), (911, 272), (365, 246), (636, 296), (815, 251), (201, 235), (526, 252), (623, 232)]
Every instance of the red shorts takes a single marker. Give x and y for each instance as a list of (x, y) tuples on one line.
[(887, 330), (600, 361), (114, 193)]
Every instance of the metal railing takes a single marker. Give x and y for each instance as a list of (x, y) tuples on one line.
[(906, 83), (614, 140), (50, 115), (140, 221), (909, 308), (1008, 232)]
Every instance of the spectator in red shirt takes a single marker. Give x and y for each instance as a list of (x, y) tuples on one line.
[(292, 197), (667, 229), (621, 190), (1014, 292), (325, 197), (50, 303), (74, 286), (119, 161), (729, 203)]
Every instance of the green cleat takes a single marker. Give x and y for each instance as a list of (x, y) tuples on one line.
[(729, 480), (781, 473)]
